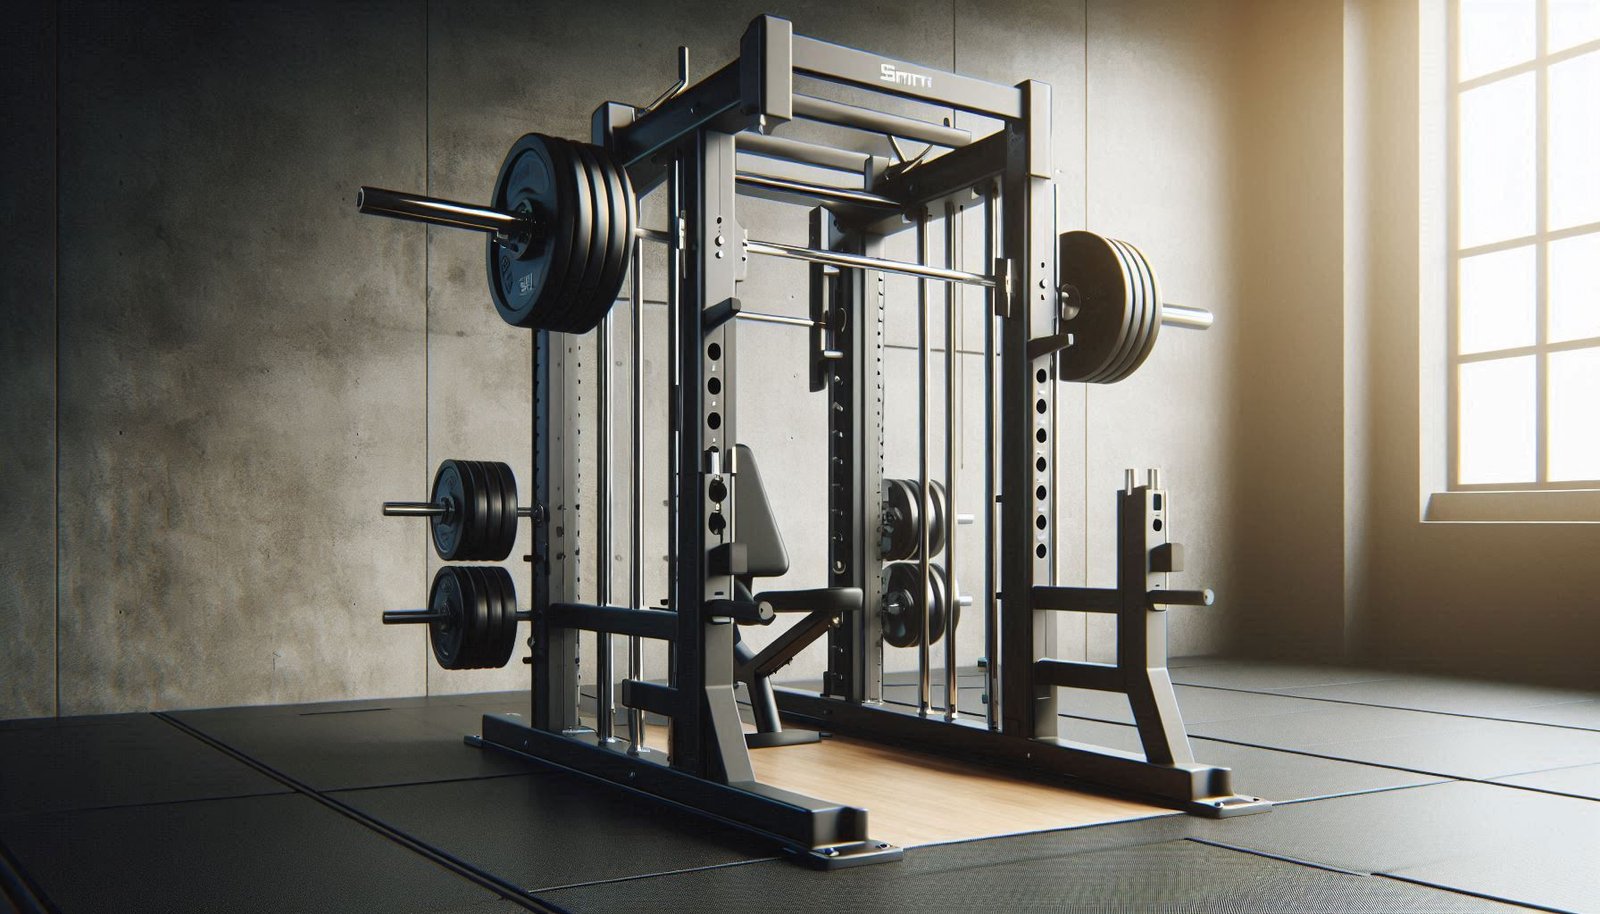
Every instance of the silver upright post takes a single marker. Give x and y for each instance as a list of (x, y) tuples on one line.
[(991, 608), (674, 297), (605, 698), (952, 444), (636, 499), (924, 660)]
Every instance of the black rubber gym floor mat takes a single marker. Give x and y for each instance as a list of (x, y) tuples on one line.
[(553, 829), (121, 761), (1277, 776), (1580, 781), (1169, 876), (1450, 696), (1520, 845), (274, 853), (1419, 740), (359, 747), (1330, 723), (1269, 676)]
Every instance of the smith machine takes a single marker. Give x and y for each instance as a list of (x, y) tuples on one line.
[(563, 229)]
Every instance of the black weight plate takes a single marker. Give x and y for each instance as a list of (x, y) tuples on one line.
[(940, 611), (476, 510), (483, 641), (524, 284), (590, 310), (941, 518), (630, 219), (619, 220), (449, 532), (580, 209), (898, 627), (896, 543), (477, 631), (505, 591), (1089, 264), (913, 534), (492, 548), (506, 538), (1139, 299), (446, 637), (1133, 299), (1154, 303)]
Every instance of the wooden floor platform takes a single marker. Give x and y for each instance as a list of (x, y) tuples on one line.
[(914, 799)]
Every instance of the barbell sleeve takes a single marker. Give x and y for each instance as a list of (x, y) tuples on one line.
[(1181, 597), (377, 201), (413, 509), (1185, 317), (411, 616)]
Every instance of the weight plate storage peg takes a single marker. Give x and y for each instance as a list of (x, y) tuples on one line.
[(471, 617)]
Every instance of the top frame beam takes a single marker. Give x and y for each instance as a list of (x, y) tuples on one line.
[(837, 63)]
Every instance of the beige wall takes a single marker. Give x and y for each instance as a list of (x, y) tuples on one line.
[(1519, 600)]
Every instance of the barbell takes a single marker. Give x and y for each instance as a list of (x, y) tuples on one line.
[(563, 215)]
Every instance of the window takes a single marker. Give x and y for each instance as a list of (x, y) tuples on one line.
[(1524, 290)]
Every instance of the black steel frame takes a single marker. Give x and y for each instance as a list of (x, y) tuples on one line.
[(707, 144)]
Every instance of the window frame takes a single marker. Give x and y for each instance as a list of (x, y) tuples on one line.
[(1540, 240)]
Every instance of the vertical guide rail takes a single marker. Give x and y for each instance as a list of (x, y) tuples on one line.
[(991, 576), (855, 466), (555, 648), (924, 649), (712, 745), (1027, 404), (676, 734), (605, 705), (952, 445), (636, 492)]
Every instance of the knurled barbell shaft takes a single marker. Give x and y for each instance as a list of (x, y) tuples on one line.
[(435, 211)]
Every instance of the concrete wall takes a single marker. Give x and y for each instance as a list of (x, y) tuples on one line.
[(230, 369)]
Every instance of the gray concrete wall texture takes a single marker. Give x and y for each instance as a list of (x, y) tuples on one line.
[(228, 369)]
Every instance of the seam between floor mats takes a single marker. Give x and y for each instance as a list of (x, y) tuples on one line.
[(1446, 888), (680, 872), (19, 888), (1284, 858), (448, 861), (1371, 704), (1442, 777)]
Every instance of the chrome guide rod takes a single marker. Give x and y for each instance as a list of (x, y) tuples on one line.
[(605, 678), (636, 495), (991, 606), (674, 302), (952, 444), (924, 659)]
